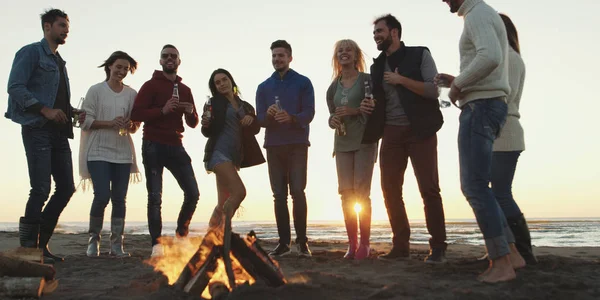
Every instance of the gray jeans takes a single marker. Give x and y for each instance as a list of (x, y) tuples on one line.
[(355, 170)]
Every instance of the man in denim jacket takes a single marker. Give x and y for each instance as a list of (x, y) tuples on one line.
[(39, 100)]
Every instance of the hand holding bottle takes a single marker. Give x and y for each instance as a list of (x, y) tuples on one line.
[(170, 106)]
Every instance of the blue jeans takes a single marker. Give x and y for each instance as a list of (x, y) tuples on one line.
[(480, 123), (111, 182), (504, 165), (48, 156), (156, 157), (287, 168)]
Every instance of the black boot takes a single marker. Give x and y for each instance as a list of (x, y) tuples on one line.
[(46, 230), (518, 226), (28, 232)]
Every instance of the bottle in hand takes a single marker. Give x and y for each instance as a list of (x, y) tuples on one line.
[(369, 93), (76, 113), (442, 83), (176, 91), (124, 130), (341, 131), (208, 108), (278, 103)]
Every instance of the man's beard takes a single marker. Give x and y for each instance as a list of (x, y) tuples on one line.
[(169, 71), (454, 6), (385, 44), (59, 40)]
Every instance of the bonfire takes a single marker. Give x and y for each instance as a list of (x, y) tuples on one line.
[(216, 264)]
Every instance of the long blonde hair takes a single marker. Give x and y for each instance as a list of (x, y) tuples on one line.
[(359, 63)]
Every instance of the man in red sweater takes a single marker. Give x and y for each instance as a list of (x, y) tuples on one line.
[(161, 110)]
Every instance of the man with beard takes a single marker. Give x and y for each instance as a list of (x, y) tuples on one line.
[(39, 100), (407, 115), (480, 91), (162, 111), (285, 106)]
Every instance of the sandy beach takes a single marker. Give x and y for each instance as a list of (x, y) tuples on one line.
[(563, 273)]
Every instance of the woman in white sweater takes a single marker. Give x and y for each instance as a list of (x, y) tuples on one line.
[(508, 147), (106, 153)]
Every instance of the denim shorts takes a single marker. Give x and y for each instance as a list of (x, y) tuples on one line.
[(216, 158)]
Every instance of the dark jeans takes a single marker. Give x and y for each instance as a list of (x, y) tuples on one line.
[(480, 124), (504, 165), (110, 182), (398, 145), (156, 157), (48, 156), (287, 167)]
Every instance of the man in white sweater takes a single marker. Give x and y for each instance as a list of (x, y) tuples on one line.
[(481, 90)]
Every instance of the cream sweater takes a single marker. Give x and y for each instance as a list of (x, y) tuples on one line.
[(103, 104), (511, 136), (483, 50)]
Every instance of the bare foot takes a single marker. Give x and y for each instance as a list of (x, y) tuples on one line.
[(482, 275), (500, 270), (516, 259)]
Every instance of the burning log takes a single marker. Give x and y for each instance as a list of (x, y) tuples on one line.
[(196, 275), (21, 287), (16, 267), (255, 260), (213, 263), (218, 291), (196, 262), (200, 279)]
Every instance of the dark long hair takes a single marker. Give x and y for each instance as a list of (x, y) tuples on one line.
[(511, 33), (213, 87), (113, 57)]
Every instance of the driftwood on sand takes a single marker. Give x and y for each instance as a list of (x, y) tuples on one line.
[(16, 267), (22, 275), (21, 287)]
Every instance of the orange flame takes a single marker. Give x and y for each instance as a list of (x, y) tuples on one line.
[(178, 251)]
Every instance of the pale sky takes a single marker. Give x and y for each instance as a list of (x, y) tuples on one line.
[(557, 175)]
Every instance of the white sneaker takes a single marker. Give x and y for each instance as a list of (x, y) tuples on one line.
[(157, 251)]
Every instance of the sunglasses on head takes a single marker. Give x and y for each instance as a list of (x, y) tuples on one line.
[(166, 55)]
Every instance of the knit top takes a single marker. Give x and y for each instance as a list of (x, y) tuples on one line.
[(483, 51), (103, 104), (511, 136)]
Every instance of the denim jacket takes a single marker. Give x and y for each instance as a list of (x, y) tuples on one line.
[(34, 78)]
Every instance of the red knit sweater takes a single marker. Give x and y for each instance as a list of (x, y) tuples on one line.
[(152, 96)]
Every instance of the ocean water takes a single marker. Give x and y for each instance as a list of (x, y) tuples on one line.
[(550, 232)]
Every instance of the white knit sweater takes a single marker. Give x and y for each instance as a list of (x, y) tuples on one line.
[(103, 104), (483, 50), (511, 136)]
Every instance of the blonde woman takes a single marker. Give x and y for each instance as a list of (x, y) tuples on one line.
[(354, 156), (107, 155)]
